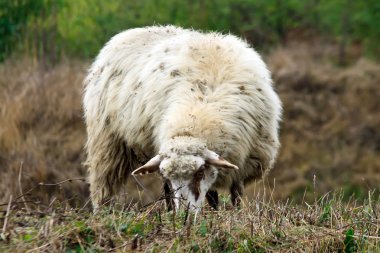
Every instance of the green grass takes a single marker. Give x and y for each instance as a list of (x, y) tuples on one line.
[(328, 225)]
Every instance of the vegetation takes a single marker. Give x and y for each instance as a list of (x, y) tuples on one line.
[(326, 225), (48, 28)]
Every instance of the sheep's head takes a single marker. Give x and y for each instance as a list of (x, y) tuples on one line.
[(190, 167)]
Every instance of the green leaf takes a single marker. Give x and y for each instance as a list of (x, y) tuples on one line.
[(349, 242), (124, 228), (325, 214), (203, 228), (27, 237), (195, 247)]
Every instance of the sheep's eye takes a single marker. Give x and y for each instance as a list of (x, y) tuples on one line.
[(200, 173), (205, 166)]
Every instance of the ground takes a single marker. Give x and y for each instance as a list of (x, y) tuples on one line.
[(326, 225)]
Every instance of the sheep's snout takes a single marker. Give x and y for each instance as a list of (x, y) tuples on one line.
[(191, 192)]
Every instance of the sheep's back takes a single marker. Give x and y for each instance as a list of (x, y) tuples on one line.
[(148, 81)]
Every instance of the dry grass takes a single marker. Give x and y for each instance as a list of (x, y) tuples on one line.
[(331, 123), (326, 225), (41, 129)]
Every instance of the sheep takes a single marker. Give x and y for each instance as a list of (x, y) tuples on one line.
[(199, 108)]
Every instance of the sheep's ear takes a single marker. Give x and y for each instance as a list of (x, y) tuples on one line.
[(215, 159), (150, 167)]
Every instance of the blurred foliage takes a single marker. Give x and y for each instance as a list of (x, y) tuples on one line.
[(80, 27), (13, 17)]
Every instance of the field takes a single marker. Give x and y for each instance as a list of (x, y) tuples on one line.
[(330, 145), (326, 225)]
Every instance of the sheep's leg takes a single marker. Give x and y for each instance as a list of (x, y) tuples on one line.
[(236, 191), (109, 161), (212, 199), (101, 193), (168, 196)]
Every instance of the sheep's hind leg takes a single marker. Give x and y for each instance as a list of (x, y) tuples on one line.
[(236, 191), (212, 199)]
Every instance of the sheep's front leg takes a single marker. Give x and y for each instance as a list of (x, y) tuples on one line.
[(101, 192), (109, 162), (168, 196), (236, 191), (212, 199)]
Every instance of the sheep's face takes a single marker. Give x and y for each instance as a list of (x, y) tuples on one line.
[(190, 178), (189, 166)]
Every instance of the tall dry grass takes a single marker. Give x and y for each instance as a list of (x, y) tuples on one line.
[(330, 133), (41, 128)]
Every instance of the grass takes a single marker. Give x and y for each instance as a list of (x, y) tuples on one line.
[(327, 225)]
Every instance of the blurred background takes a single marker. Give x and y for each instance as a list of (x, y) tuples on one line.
[(323, 54)]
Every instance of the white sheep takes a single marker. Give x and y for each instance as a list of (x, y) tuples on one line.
[(187, 99)]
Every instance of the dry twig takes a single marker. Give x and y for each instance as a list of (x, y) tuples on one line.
[(3, 233), (20, 186)]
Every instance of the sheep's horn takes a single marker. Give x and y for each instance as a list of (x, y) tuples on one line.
[(150, 167), (215, 159)]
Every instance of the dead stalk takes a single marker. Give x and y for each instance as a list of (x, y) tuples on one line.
[(20, 186), (63, 181), (3, 233), (38, 248)]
